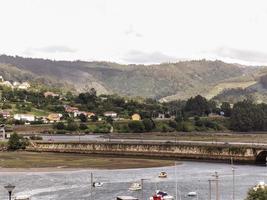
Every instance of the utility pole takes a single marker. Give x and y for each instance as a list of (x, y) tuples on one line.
[(209, 189), (233, 171)]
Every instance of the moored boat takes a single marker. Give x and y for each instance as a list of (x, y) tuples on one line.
[(22, 197), (192, 194), (135, 187), (162, 175), (97, 184), (161, 196), (126, 198)]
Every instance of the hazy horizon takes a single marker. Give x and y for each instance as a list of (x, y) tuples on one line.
[(138, 32)]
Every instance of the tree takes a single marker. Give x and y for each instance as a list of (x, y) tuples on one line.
[(72, 126), (226, 108), (198, 106), (136, 126), (247, 116), (60, 126), (148, 124), (94, 118), (109, 120), (83, 117), (16, 142), (83, 126)]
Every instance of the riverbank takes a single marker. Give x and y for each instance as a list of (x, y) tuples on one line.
[(35, 161)]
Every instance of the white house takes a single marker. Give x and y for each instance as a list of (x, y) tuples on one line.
[(24, 86), (24, 117), (110, 114), (7, 84)]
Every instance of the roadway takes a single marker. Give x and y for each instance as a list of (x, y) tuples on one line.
[(99, 138)]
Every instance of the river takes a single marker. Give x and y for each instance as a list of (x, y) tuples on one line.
[(191, 176)]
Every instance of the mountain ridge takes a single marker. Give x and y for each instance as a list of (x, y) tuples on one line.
[(168, 81)]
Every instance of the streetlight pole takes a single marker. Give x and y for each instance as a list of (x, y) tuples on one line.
[(176, 182), (217, 185), (91, 189), (209, 190), (233, 171), (9, 189), (142, 186)]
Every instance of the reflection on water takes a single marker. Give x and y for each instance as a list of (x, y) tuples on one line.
[(191, 176)]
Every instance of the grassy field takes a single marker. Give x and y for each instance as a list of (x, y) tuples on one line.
[(61, 160)]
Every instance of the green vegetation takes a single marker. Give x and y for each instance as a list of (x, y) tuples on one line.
[(195, 114), (258, 192), (16, 142)]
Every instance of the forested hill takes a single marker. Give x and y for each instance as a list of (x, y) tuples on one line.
[(170, 80)]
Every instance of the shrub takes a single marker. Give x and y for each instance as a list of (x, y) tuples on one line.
[(83, 126), (72, 126), (6, 106), (148, 124), (16, 142), (187, 127), (94, 118), (173, 124), (258, 192), (136, 126), (83, 118), (60, 126)]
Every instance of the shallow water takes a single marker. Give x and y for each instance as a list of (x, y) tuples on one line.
[(191, 176)]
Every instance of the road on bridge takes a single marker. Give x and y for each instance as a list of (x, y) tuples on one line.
[(99, 138)]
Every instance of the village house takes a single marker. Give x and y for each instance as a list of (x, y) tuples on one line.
[(54, 117), (7, 84), (24, 86), (90, 114), (5, 114), (16, 83), (110, 114), (72, 110), (161, 116), (50, 94), (136, 117), (24, 117)]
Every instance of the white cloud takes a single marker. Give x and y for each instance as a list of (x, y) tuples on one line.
[(135, 56)]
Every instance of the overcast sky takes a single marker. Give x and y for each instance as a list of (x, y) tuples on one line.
[(135, 31)]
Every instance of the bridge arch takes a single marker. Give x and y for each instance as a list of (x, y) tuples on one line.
[(261, 157)]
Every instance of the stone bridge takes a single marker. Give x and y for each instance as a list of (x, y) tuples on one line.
[(222, 152)]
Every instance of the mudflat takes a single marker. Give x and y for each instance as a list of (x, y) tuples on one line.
[(35, 161)]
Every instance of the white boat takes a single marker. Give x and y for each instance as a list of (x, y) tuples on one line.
[(192, 194), (162, 175), (135, 187), (97, 184), (161, 196), (22, 197), (126, 198)]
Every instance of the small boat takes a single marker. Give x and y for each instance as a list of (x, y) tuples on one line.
[(126, 198), (22, 197), (97, 184), (161, 196), (135, 187), (162, 175), (192, 194)]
